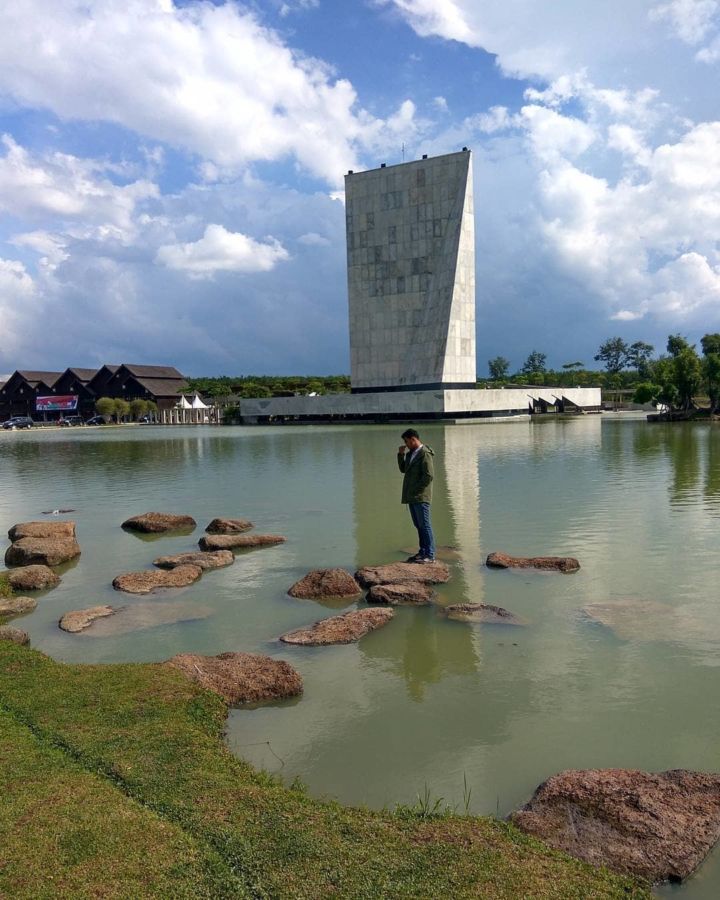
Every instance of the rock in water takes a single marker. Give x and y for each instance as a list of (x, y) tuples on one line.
[(216, 559), (229, 526), (413, 594), (154, 579), (157, 523), (402, 573), (326, 584), (16, 606), (141, 615), (80, 619), (32, 578), (344, 629), (42, 530), (8, 633), (482, 612), (548, 563), (241, 677), (656, 826), (51, 551), (239, 541)]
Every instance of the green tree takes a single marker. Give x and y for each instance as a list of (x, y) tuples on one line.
[(253, 389), (687, 376), (105, 406), (499, 368), (315, 387), (638, 356), (710, 343), (121, 409), (138, 408), (534, 364), (614, 353), (676, 344), (152, 409)]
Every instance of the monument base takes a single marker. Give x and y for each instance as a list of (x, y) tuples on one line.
[(413, 406)]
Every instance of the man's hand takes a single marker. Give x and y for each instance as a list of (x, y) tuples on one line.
[(402, 448)]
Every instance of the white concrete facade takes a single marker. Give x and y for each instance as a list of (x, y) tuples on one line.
[(411, 275)]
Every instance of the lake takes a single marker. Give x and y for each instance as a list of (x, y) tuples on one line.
[(424, 703)]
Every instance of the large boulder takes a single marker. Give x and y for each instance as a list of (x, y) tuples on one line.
[(548, 563), (238, 541), (144, 614), (326, 584), (32, 578), (8, 633), (41, 530), (16, 606), (215, 559), (415, 593), (483, 613), (157, 523), (241, 677), (402, 573), (344, 629), (156, 579), (50, 551), (655, 826), (80, 619), (229, 526)]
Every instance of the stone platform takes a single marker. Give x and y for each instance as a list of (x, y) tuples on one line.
[(413, 406)]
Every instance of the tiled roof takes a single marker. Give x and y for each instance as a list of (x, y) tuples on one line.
[(48, 378), (82, 374), (164, 387), (154, 371)]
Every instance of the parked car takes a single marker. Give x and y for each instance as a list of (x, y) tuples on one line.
[(96, 420), (19, 422), (68, 421)]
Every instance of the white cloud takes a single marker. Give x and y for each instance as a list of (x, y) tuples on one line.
[(210, 79), (690, 20), (219, 250), (17, 296), (313, 239)]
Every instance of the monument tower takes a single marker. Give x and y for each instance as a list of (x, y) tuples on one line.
[(411, 275)]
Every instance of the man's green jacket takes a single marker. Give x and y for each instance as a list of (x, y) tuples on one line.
[(417, 483)]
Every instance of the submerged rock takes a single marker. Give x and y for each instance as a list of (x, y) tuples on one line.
[(156, 579), (655, 826), (157, 523), (216, 559), (549, 563), (16, 606), (241, 677), (326, 584), (402, 573), (32, 578), (413, 594), (229, 526), (482, 612), (144, 614), (42, 530), (344, 629), (16, 635), (50, 551), (80, 619), (239, 541)]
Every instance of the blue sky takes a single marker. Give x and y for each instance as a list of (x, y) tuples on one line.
[(171, 174)]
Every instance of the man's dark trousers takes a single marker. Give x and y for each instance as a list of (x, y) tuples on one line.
[(420, 513)]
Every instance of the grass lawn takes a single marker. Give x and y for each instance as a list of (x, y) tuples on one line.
[(116, 782)]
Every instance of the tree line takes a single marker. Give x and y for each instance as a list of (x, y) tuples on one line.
[(119, 409)]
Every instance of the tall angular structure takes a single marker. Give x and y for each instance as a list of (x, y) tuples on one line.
[(411, 275)]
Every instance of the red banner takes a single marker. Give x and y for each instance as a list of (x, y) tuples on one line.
[(61, 402)]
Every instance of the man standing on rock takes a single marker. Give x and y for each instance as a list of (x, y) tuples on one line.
[(415, 461)]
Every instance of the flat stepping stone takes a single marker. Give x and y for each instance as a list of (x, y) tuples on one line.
[(215, 559), (229, 526), (49, 551), (16, 635), (547, 563), (158, 523), (32, 578), (42, 530), (656, 826), (326, 584), (156, 579), (402, 573), (16, 606), (413, 594), (241, 677), (239, 541), (483, 613), (344, 629), (145, 614), (80, 619)]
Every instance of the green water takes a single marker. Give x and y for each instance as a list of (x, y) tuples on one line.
[(424, 701)]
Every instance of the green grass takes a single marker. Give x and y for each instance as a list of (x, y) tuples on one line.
[(116, 782)]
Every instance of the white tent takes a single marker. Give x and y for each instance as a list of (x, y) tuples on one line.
[(197, 403)]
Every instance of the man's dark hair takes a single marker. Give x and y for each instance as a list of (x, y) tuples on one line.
[(410, 433)]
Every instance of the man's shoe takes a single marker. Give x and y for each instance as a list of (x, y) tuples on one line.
[(426, 560), (415, 558)]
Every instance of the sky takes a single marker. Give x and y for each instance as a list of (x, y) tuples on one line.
[(171, 174)]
